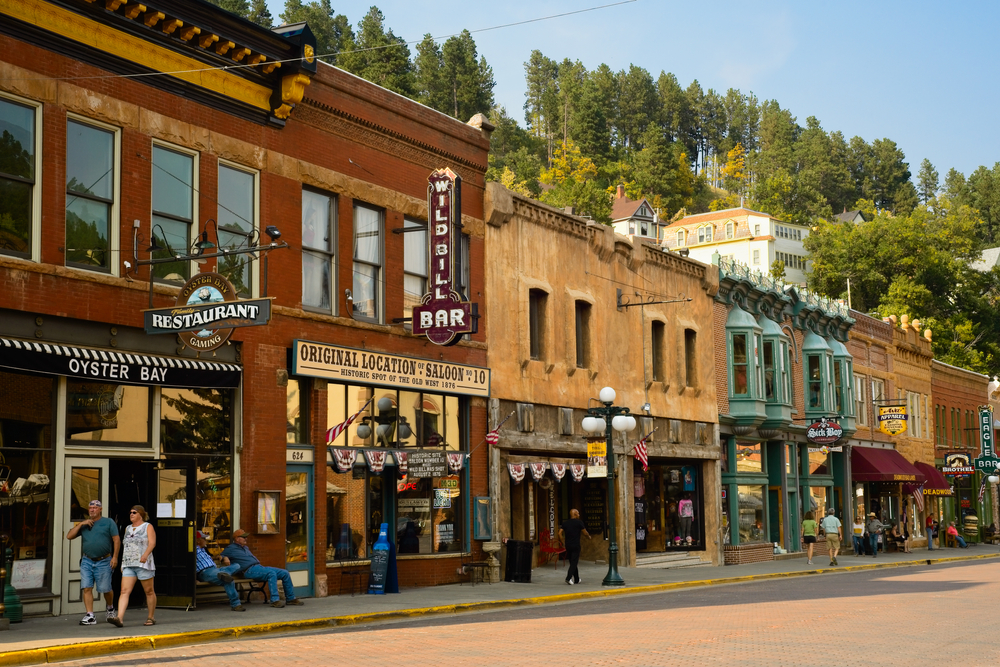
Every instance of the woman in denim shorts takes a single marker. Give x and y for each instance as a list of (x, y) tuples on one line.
[(137, 564)]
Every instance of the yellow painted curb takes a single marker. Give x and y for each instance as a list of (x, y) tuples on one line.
[(63, 652)]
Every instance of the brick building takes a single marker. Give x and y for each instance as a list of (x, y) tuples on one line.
[(109, 176)]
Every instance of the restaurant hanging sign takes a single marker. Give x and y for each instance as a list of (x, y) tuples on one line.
[(206, 312), (444, 314), (343, 364), (892, 419), (824, 432)]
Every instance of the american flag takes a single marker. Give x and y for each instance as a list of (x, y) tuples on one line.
[(332, 433), (641, 453)]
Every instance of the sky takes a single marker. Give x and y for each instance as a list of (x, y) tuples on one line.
[(920, 73)]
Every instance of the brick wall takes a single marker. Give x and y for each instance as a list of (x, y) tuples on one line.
[(748, 553)]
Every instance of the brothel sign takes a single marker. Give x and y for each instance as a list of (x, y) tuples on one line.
[(444, 314)]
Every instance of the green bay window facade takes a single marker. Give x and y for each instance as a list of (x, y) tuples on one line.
[(746, 367), (817, 366)]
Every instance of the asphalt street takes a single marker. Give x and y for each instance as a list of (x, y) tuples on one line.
[(941, 613)]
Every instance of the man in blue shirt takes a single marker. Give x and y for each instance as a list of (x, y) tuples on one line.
[(100, 544), (210, 573), (239, 553)]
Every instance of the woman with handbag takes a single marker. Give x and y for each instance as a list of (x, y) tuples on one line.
[(137, 565)]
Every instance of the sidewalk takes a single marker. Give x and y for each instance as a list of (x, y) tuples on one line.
[(42, 640)]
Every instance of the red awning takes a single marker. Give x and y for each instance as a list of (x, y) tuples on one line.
[(936, 484), (882, 465)]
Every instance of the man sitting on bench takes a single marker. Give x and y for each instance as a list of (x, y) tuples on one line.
[(210, 573), (239, 554)]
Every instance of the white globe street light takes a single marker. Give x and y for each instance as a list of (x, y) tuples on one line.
[(607, 395)]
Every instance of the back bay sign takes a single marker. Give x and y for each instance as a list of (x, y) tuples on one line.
[(206, 312), (343, 364), (444, 314)]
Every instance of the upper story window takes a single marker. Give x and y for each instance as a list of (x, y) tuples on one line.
[(582, 310), (756, 230), (658, 343), (690, 358), (913, 405), (818, 368), (861, 400), (741, 364), (644, 228), (91, 194), (680, 237), (756, 256), (414, 265), (368, 253), (237, 220), (843, 379), (729, 230), (631, 228), (173, 215), (536, 323), (319, 244), (745, 359), (20, 199), (705, 234)]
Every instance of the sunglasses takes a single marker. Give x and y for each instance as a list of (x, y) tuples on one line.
[(132, 512)]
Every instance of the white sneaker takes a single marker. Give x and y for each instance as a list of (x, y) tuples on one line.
[(569, 581), (88, 619), (579, 581), (111, 612)]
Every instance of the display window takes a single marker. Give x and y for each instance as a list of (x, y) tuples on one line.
[(752, 516), (101, 414), (668, 504)]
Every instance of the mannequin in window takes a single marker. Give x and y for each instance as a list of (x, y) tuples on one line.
[(685, 510)]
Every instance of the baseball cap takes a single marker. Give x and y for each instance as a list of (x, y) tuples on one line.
[(96, 503), (239, 532), (199, 535)]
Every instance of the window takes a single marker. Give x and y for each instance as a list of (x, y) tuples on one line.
[(785, 387), (690, 358), (756, 230), (913, 406), (237, 219), (729, 230), (536, 323), (19, 198), (680, 238), (101, 414), (631, 228), (815, 382), (740, 363), (90, 195), (414, 265), (658, 342), (644, 228), (751, 507), (319, 224), (367, 291), (756, 256), (955, 442), (878, 390), (970, 426), (173, 173), (295, 423), (861, 400), (582, 334), (770, 390)]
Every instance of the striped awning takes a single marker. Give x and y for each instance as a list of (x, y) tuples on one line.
[(115, 367)]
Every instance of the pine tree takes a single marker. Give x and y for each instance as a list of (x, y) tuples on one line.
[(379, 56), (589, 127), (429, 84), (333, 32), (238, 7), (638, 106), (927, 180), (469, 78), (260, 14)]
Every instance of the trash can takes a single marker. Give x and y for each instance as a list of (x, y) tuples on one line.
[(518, 566)]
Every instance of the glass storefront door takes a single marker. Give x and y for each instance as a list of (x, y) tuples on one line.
[(298, 528), (668, 506), (86, 480)]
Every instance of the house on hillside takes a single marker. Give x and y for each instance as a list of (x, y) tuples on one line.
[(850, 216), (632, 217), (743, 235)]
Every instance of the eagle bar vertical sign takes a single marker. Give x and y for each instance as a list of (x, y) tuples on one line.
[(443, 314)]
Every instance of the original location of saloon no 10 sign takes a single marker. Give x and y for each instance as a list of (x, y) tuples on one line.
[(444, 314)]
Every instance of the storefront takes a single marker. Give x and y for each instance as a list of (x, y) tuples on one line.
[(399, 446), (883, 483), (125, 425), (669, 506)]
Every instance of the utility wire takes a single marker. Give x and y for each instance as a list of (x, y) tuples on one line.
[(140, 75)]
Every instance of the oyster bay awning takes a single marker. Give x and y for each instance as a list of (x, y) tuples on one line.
[(115, 367)]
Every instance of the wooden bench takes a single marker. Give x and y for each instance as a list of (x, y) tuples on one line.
[(245, 588)]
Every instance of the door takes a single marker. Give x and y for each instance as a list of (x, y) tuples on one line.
[(299, 528), (172, 515), (86, 480)]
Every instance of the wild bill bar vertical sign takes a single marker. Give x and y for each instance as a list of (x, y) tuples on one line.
[(444, 314)]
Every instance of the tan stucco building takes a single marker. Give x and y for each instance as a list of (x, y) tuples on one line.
[(553, 282)]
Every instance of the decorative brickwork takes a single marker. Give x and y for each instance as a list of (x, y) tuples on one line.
[(748, 553)]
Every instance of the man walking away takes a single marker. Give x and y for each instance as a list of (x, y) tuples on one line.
[(239, 554), (834, 534), (569, 533), (100, 544), (210, 573)]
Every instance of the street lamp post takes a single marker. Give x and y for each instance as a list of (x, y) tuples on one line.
[(605, 419)]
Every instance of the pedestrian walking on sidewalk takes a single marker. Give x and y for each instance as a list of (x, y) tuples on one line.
[(809, 532), (859, 535), (99, 556), (834, 534), (570, 532), (137, 565), (211, 573), (874, 530), (238, 553)]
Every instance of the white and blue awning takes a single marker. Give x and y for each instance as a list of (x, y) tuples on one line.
[(113, 366)]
